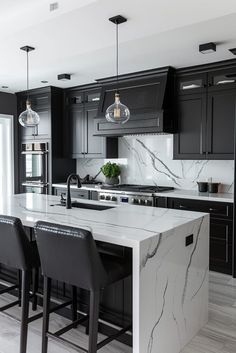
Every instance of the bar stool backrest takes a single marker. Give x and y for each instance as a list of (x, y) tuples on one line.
[(15, 250), (70, 255)]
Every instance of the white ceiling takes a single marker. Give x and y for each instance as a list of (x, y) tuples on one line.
[(78, 38)]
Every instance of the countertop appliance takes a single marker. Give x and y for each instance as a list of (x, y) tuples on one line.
[(132, 194)]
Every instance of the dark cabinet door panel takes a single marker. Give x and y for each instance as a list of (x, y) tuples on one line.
[(94, 145), (220, 124), (190, 141), (76, 121)]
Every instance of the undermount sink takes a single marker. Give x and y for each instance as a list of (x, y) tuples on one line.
[(87, 206)]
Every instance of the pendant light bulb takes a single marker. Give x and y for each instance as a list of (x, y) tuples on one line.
[(117, 113), (28, 118)]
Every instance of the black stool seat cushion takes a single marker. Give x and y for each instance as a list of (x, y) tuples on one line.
[(117, 268), (70, 255), (16, 250)]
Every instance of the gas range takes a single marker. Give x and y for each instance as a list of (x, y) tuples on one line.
[(132, 194)]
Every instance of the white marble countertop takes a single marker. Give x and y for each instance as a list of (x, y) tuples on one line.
[(184, 194), (125, 225), (195, 195)]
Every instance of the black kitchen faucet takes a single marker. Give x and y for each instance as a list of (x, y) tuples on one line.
[(68, 197)]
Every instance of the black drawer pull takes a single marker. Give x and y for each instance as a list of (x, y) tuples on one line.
[(213, 209), (189, 240), (181, 206)]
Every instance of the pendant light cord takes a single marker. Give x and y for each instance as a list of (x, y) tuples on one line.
[(117, 56), (27, 75)]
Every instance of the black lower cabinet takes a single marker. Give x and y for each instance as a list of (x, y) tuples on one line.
[(221, 229), (221, 245)]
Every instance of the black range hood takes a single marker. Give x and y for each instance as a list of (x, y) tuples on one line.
[(148, 95)]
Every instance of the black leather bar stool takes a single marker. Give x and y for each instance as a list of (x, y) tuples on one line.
[(70, 255), (18, 252)]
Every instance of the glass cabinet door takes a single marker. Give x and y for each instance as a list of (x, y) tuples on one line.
[(189, 84), (222, 79), (92, 97)]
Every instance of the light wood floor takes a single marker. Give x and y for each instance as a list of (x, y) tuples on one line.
[(219, 335)]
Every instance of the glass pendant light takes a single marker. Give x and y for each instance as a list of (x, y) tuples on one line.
[(117, 113), (28, 118)]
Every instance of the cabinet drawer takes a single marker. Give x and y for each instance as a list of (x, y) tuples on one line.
[(216, 209)]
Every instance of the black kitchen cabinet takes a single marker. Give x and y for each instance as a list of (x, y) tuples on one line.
[(81, 111), (48, 102), (42, 104), (206, 105), (221, 108), (190, 141), (221, 229)]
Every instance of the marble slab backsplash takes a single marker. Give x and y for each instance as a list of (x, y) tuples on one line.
[(149, 160)]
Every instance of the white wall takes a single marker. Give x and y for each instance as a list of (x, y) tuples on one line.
[(149, 160), (6, 156)]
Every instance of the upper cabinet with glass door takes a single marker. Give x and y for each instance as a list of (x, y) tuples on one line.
[(222, 79), (83, 96), (191, 83)]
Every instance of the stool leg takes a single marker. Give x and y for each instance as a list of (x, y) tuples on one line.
[(35, 273), (19, 286), (93, 321), (46, 308), (74, 303), (25, 310)]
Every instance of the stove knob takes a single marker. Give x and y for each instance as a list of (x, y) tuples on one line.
[(102, 197), (108, 198), (134, 201), (142, 202), (114, 198)]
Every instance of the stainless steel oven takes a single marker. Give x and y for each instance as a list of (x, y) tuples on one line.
[(35, 167)]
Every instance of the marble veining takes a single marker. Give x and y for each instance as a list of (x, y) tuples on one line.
[(148, 159)]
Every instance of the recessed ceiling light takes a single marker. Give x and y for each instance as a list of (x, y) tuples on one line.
[(233, 51), (44, 81), (54, 6), (207, 48), (4, 87), (64, 77)]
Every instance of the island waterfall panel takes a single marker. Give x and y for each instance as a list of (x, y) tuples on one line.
[(171, 288)]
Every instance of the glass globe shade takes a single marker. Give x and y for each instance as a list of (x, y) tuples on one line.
[(29, 118), (117, 112)]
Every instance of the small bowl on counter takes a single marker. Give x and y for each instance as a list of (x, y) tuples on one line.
[(202, 186), (212, 188)]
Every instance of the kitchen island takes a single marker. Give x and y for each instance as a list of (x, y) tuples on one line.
[(170, 251)]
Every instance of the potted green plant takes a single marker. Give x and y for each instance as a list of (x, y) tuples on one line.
[(111, 172)]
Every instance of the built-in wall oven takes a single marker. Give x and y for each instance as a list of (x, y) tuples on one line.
[(34, 176)]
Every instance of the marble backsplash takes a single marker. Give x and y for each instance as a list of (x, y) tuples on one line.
[(149, 160)]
